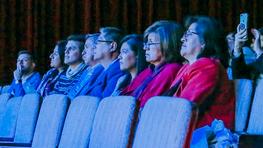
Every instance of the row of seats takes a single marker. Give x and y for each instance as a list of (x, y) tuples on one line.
[(88, 122)]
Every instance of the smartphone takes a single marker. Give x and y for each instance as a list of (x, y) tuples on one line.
[(243, 21)]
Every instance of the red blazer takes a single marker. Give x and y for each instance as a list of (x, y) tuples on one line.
[(205, 82), (157, 86)]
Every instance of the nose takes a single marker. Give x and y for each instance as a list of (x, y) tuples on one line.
[(183, 39), (83, 53), (145, 47), (120, 57), (66, 51), (51, 56)]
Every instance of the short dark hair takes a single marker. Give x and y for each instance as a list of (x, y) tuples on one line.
[(25, 51), (93, 37), (170, 37), (211, 32), (78, 38), (112, 34), (135, 41)]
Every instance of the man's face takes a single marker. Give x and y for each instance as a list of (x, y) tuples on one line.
[(103, 47), (72, 52), (87, 54), (25, 62)]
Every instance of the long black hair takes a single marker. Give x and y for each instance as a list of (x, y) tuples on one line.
[(135, 41)]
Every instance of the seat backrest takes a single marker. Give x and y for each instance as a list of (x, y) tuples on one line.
[(3, 101), (50, 121), (166, 122), (78, 123), (9, 118), (244, 92), (27, 118), (5, 89), (112, 123), (255, 125)]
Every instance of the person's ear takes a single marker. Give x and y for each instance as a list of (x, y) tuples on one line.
[(33, 65), (113, 46)]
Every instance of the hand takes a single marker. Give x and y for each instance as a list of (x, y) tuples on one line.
[(257, 44), (240, 39), (18, 73)]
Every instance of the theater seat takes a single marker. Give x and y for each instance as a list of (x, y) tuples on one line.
[(27, 118), (112, 122), (50, 121), (78, 123), (244, 92), (9, 119), (254, 134), (3, 101), (165, 122), (255, 125)]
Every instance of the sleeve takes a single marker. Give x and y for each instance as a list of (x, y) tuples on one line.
[(258, 64), (111, 84), (202, 82), (31, 85), (240, 69), (16, 89)]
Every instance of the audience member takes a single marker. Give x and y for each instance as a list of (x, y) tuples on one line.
[(241, 69), (132, 60), (203, 80), (93, 70), (26, 80), (106, 53), (58, 68), (162, 52), (76, 66)]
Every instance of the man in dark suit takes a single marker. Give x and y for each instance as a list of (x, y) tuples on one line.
[(106, 52)]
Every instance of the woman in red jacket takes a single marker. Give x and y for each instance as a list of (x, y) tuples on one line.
[(162, 52), (204, 79)]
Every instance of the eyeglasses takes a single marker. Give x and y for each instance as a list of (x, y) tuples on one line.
[(147, 45), (103, 41), (189, 33)]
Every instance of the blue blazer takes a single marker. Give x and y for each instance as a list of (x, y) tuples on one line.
[(29, 86), (106, 82), (87, 79)]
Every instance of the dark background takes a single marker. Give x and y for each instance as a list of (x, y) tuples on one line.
[(38, 24)]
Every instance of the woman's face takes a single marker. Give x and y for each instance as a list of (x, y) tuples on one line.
[(127, 57), (192, 45), (152, 49), (55, 58)]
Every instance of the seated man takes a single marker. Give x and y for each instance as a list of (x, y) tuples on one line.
[(93, 70), (74, 47), (25, 79), (106, 52)]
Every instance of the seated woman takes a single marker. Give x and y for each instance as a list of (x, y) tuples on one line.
[(203, 80), (252, 70), (162, 52), (132, 60), (58, 68)]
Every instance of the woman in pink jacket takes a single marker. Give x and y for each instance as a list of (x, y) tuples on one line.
[(162, 52)]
